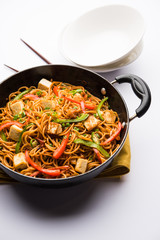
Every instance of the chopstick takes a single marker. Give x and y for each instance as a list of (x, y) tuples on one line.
[(11, 68), (40, 55), (37, 53)]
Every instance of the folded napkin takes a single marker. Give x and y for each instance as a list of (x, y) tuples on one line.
[(119, 166)]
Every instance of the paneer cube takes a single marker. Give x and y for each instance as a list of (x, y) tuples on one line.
[(55, 128), (81, 165), (109, 116), (17, 107), (14, 132), (19, 161), (44, 84), (91, 122), (48, 104)]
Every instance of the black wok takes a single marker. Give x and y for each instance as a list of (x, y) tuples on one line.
[(93, 83)]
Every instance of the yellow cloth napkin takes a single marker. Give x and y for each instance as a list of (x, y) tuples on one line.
[(119, 166)]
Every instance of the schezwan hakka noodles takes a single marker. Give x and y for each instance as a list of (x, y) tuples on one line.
[(56, 130)]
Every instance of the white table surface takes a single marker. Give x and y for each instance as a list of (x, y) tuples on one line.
[(99, 209)]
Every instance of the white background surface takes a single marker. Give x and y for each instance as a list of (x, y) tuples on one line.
[(100, 209)]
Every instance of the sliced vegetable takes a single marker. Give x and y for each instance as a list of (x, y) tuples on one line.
[(8, 124), (33, 142), (98, 154), (20, 95), (86, 105), (3, 136), (60, 150), (99, 108), (95, 138), (55, 90), (79, 119), (31, 96), (53, 173), (114, 135), (92, 145), (20, 138), (66, 167), (73, 92)]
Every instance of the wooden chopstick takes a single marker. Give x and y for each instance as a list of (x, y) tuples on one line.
[(11, 68), (43, 58), (37, 53)]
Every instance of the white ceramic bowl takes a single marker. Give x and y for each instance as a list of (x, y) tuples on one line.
[(103, 36)]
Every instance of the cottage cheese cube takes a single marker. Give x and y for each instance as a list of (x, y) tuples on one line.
[(48, 104), (44, 84), (14, 132), (81, 165), (55, 128), (19, 161), (109, 116), (91, 122), (17, 107)]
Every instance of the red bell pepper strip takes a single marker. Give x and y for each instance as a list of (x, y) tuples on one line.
[(59, 151), (114, 135), (31, 96), (98, 154), (8, 124), (53, 173), (55, 90), (85, 105)]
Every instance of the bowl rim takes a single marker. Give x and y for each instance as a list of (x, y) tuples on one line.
[(63, 51)]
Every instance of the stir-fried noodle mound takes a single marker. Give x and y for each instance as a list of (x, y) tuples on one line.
[(56, 130)]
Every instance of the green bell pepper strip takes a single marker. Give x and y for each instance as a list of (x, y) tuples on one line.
[(99, 108), (3, 136), (76, 91), (93, 145), (20, 138), (95, 138), (20, 95), (79, 119)]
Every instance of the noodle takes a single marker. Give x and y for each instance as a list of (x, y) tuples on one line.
[(50, 120)]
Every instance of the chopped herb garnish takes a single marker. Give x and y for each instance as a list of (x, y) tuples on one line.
[(95, 115), (23, 114), (75, 128), (16, 117), (47, 108), (1, 148), (39, 93), (54, 113), (75, 107), (21, 120)]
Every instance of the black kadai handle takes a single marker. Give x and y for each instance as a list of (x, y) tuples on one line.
[(141, 90)]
